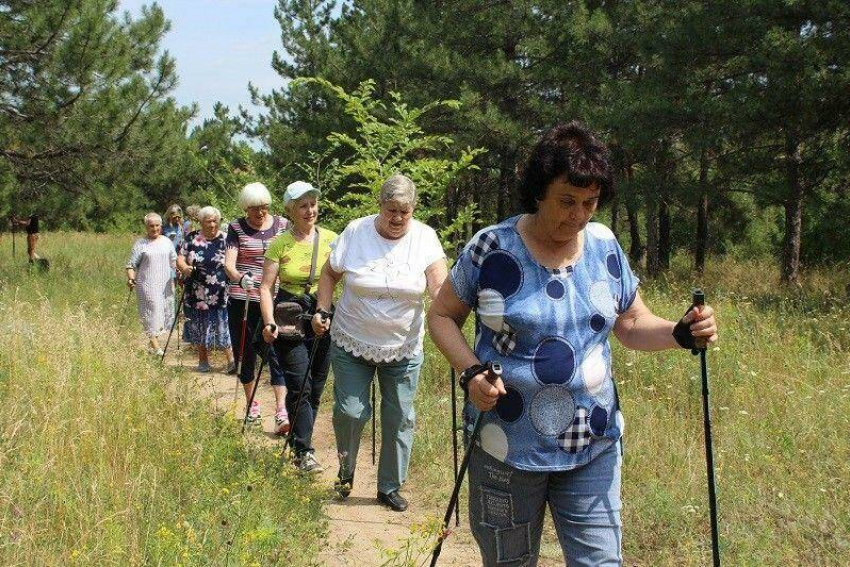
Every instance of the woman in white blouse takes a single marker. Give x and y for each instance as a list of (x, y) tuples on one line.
[(149, 271), (388, 261)]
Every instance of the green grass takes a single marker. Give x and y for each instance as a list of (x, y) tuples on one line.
[(106, 457), (780, 381)]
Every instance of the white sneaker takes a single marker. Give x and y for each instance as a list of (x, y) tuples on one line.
[(307, 463)]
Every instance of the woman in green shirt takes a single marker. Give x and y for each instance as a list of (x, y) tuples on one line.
[(290, 259)]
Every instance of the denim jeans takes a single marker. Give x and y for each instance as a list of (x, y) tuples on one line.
[(397, 381), (294, 358), (506, 508)]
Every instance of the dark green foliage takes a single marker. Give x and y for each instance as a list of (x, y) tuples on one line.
[(87, 130), (717, 113)]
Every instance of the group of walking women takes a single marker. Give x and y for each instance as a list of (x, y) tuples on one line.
[(547, 287)]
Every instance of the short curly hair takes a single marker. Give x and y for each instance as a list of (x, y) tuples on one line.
[(566, 149)]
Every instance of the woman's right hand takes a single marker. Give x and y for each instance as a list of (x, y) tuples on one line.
[(270, 335), (131, 283), (186, 271), (484, 394), (320, 324)]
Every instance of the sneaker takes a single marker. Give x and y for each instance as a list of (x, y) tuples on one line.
[(307, 463), (343, 486), (203, 367), (281, 422), (231, 368), (156, 352), (394, 500), (254, 413)]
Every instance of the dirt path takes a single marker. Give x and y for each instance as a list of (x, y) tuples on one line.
[(360, 531)]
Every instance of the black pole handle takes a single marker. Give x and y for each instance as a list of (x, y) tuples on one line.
[(698, 300)]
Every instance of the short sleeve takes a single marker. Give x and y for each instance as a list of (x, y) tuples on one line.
[(432, 249), (339, 248), (464, 275), (629, 282), (232, 237), (276, 249), (184, 248), (135, 255)]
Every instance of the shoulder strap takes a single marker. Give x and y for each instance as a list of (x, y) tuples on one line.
[(312, 276)]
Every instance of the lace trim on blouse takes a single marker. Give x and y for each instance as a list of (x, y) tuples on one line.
[(373, 352)]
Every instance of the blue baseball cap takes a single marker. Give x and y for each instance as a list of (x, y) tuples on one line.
[(297, 190)]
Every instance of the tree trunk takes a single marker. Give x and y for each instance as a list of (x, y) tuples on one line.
[(664, 244), (793, 215), (635, 246), (701, 244), (615, 216), (653, 266), (507, 177)]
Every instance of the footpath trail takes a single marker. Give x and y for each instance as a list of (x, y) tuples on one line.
[(360, 531)]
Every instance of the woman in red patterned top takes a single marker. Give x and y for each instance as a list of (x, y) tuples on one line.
[(248, 238)]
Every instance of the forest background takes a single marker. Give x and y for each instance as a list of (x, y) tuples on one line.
[(728, 121)]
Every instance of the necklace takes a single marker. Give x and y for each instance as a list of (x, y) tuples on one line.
[(301, 236)]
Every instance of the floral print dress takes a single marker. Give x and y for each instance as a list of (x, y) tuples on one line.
[(205, 297)]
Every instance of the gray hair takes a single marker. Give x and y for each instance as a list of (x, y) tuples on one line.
[(152, 217), (192, 211), (254, 195), (209, 211), (400, 189)]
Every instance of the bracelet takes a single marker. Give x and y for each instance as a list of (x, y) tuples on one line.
[(471, 372)]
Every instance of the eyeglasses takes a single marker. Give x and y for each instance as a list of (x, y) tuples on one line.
[(258, 208)]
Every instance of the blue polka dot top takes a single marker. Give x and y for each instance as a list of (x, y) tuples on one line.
[(549, 329)]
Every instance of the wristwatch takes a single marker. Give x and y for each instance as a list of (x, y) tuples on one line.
[(271, 326), (324, 314)]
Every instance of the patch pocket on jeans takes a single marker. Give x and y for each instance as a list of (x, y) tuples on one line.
[(497, 508), (513, 544)]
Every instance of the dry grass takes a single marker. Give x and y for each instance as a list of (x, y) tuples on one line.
[(104, 458)]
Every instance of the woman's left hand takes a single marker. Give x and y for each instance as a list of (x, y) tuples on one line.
[(702, 325)]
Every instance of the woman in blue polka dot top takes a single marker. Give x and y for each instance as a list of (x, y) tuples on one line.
[(547, 288)]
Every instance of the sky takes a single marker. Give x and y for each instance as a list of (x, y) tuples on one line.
[(219, 46)]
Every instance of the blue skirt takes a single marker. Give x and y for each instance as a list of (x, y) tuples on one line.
[(207, 327)]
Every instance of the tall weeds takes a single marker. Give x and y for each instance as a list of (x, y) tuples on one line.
[(106, 457)]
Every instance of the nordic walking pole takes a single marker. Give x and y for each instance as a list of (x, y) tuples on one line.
[(124, 306), (176, 317), (492, 371), (256, 384), (307, 375), (454, 436), (374, 421), (699, 301), (244, 326)]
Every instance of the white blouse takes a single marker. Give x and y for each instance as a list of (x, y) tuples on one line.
[(380, 316)]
